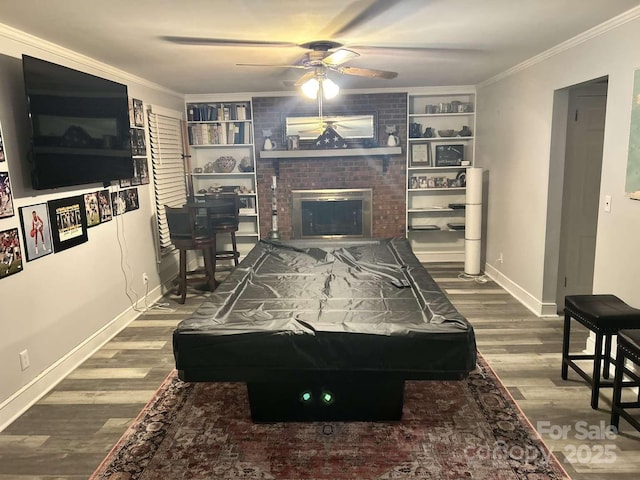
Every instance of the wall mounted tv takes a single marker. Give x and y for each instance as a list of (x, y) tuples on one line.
[(79, 126)]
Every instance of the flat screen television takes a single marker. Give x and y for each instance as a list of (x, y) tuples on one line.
[(79, 126)]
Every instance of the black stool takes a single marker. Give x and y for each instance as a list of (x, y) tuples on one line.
[(628, 350), (604, 315)]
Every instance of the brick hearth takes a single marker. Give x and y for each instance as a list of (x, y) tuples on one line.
[(336, 172)]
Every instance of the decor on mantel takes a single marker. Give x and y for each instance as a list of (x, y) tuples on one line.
[(330, 139), (392, 138), (277, 155)]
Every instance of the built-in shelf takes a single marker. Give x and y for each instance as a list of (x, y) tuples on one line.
[(277, 155)]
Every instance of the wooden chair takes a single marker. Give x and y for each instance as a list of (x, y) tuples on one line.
[(223, 212), (188, 231), (605, 316), (628, 351)]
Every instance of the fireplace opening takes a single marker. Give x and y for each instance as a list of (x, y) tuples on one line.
[(337, 213)]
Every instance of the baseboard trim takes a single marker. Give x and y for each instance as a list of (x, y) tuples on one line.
[(538, 308), (436, 257), (23, 399)]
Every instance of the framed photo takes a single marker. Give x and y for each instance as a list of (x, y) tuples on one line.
[(138, 142), (10, 255), (449, 155), (104, 206), (36, 231), (143, 170), (440, 182), (138, 113), (421, 154), (131, 199), (2, 158), (93, 211), (6, 197), (69, 222), (118, 203)]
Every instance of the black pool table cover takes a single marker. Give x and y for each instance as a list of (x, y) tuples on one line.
[(342, 308)]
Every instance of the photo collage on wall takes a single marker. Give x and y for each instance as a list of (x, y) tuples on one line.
[(124, 201), (59, 224), (10, 251), (36, 231), (11, 261), (138, 145), (6, 196)]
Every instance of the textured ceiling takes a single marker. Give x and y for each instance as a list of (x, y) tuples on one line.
[(452, 42)]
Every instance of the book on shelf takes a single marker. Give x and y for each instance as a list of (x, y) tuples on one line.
[(215, 112)]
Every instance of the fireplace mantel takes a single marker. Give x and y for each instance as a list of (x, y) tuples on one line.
[(277, 155), (335, 152)]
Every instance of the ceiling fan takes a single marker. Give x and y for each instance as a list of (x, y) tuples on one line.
[(323, 56), (326, 56)]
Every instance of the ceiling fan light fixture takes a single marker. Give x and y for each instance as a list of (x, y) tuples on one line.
[(330, 88), (312, 88)]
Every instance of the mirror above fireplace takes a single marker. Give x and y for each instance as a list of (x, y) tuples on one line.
[(349, 127)]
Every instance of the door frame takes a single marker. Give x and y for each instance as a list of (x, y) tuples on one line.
[(551, 305)]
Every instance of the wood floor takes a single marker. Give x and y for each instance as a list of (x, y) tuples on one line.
[(68, 433)]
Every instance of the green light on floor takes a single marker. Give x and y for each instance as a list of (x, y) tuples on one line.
[(327, 398), (305, 397)]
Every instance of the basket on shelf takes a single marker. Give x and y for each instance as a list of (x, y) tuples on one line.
[(225, 164)]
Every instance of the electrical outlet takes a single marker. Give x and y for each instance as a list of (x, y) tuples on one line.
[(24, 360), (145, 278), (500, 259)]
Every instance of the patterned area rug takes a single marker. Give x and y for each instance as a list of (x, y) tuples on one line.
[(449, 430)]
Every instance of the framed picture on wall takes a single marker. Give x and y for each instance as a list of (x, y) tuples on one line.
[(36, 231), (10, 255), (138, 112), (104, 206), (2, 159), (131, 199), (6, 196), (69, 222), (92, 208)]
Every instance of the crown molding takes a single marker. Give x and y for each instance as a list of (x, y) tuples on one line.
[(579, 39), (32, 42)]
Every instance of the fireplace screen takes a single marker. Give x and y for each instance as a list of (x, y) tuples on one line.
[(343, 213)]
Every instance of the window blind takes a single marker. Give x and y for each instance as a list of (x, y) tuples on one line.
[(167, 159)]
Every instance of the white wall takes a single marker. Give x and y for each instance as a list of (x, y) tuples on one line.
[(61, 307), (514, 132)]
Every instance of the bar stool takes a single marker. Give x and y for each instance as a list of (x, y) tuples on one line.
[(188, 232), (605, 315), (628, 351), (223, 212)]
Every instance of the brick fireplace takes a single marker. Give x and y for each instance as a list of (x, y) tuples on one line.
[(386, 181)]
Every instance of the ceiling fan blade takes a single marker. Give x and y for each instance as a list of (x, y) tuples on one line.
[(269, 65), (374, 9), (304, 78), (339, 57), (367, 72), (225, 42), (395, 49)]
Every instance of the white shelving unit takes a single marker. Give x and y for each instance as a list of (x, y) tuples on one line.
[(436, 171), (224, 128)]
